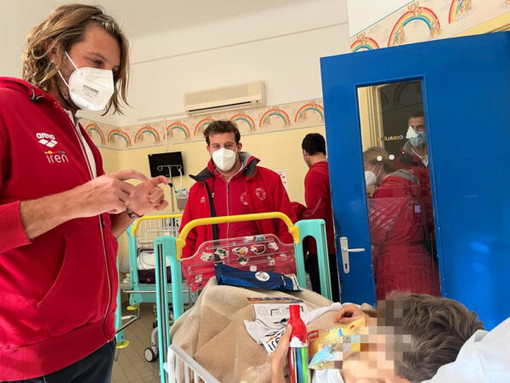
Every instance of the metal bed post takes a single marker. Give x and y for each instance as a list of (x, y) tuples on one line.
[(165, 247), (316, 228), (134, 298)]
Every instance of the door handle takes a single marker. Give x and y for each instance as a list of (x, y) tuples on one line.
[(344, 247)]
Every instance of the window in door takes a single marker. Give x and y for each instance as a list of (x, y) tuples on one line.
[(395, 160)]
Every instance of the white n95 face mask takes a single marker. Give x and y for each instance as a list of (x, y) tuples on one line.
[(370, 178), (90, 88), (224, 159)]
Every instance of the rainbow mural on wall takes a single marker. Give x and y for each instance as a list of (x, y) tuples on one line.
[(179, 127), (265, 120), (414, 12), (244, 118), (119, 133), (201, 125), (310, 107), (271, 118), (457, 8), (363, 43), (91, 128), (147, 129)]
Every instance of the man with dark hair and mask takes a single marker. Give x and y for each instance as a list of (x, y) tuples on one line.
[(413, 156), (232, 184), (414, 151), (60, 213)]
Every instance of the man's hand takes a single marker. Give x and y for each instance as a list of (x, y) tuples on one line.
[(107, 193), (148, 196)]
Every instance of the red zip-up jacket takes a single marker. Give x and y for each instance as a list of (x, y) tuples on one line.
[(263, 192), (401, 260), (58, 291), (318, 203), (409, 160)]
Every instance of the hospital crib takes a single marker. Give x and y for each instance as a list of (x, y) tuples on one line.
[(175, 364), (141, 234)]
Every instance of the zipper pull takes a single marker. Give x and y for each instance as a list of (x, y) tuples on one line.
[(102, 221)]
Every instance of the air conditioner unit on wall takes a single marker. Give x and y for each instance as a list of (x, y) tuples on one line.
[(233, 97)]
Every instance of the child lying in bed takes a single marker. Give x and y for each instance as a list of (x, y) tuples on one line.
[(410, 338), (214, 334)]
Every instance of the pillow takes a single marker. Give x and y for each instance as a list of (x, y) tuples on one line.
[(483, 358)]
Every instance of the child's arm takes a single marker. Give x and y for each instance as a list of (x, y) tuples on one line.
[(279, 358)]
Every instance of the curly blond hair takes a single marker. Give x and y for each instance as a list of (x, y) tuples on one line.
[(376, 155), (64, 27)]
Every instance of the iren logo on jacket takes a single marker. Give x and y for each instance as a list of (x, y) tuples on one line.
[(46, 139), (53, 156), (56, 157)]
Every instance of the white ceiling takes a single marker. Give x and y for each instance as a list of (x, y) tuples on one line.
[(137, 18)]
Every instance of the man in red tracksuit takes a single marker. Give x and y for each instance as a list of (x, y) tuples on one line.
[(318, 206), (414, 156), (59, 213), (232, 184)]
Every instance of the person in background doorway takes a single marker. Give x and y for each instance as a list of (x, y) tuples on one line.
[(318, 206), (400, 258), (414, 152), (233, 183), (60, 213), (414, 156)]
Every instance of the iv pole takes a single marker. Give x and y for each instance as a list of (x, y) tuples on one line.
[(170, 183)]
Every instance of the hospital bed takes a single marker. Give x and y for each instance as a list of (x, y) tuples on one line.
[(175, 364)]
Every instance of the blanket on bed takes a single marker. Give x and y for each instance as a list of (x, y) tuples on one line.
[(213, 332)]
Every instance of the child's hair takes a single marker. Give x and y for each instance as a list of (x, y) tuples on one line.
[(433, 331), (376, 155)]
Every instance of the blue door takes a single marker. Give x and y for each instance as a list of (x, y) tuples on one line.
[(462, 86)]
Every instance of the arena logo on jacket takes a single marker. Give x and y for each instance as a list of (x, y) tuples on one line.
[(49, 142)]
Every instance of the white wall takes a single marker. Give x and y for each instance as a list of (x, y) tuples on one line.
[(364, 13), (280, 45)]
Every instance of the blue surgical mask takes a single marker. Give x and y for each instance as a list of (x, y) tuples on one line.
[(417, 139)]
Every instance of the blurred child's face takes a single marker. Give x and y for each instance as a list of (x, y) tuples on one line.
[(375, 362)]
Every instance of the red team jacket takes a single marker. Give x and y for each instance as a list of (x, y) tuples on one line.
[(58, 291), (318, 202), (254, 189), (401, 259)]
